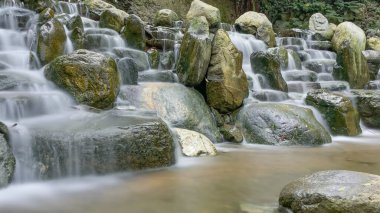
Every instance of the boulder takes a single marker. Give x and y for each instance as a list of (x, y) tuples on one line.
[(231, 133), (51, 41), (194, 53), (194, 144), (46, 15), (91, 78), (226, 82), (7, 159), (199, 8), (337, 110), (368, 103), (113, 19), (258, 25), (134, 33), (349, 41), (96, 7), (281, 124), (180, 106), (75, 22), (373, 43), (128, 70), (166, 18), (333, 191), (269, 66)]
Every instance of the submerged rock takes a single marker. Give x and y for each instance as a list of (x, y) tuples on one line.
[(113, 19), (7, 160), (338, 111), (333, 191), (90, 77), (194, 144), (368, 102), (199, 8), (281, 124), (166, 18)]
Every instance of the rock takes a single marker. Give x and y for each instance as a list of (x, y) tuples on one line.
[(133, 32), (154, 58), (7, 160), (46, 15), (78, 38), (11, 80), (194, 53), (373, 62), (194, 144), (128, 70), (296, 59), (321, 45), (226, 82), (373, 43), (90, 77), (270, 95), (318, 23), (158, 76), (337, 110), (51, 41), (373, 85), (258, 25), (166, 18), (113, 19), (141, 58), (281, 124), (97, 7), (333, 191), (167, 60), (180, 106), (368, 103), (268, 65), (231, 133), (199, 8), (75, 22), (349, 41), (325, 35), (282, 54)]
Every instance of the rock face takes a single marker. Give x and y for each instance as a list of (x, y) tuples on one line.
[(7, 160), (226, 84), (199, 8), (281, 124), (256, 24), (134, 32), (90, 77), (368, 102), (333, 191), (166, 18), (195, 52), (51, 41), (337, 110), (182, 107), (349, 41), (113, 19), (269, 65), (194, 144)]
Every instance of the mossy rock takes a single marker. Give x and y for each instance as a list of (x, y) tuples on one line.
[(199, 8), (113, 19), (166, 18), (97, 7), (134, 33)]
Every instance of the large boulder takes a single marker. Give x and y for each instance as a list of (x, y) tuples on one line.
[(333, 191), (368, 102), (226, 82), (134, 33), (113, 19), (281, 124), (51, 41), (182, 107), (199, 8), (337, 110), (194, 53), (194, 144), (91, 78), (7, 160), (349, 41), (166, 18), (258, 25), (97, 7), (269, 66)]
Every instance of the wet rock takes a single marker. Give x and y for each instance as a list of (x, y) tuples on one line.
[(373, 85), (258, 25), (321, 45), (134, 33), (226, 82), (157, 76), (75, 22), (154, 58), (46, 15), (282, 54), (166, 18), (231, 133), (113, 19), (128, 70), (97, 7), (333, 191), (281, 124), (373, 62), (194, 144), (182, 107), (90, 77), (10, 80), (337, 110), (51, 41), (195, 53), (368, 103), (7, 159), (199, 8), (297, 59), (78, 38), (349, 41), (270, 95), (167, 60), (140, 58)]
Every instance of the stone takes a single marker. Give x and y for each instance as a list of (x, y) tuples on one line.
[(134, 33), (7, 159), (269, 65), (167, 60), (349, 41), (368, 103), (140, 57), (226, 82), (154, 57), (97, 7), (231, 133), (46, 15), (199, 8), (326, 35), (373, 43), (128, 70), (258, 25), (51, 41), (337, 110), (333, 191), (90, 77), (158, 76), (113, 19), (194, 53), (194, 144), (282, 54), (78, 38), (166, 18), (373, 62), (318, 23), (75, 22), (281, 124)]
